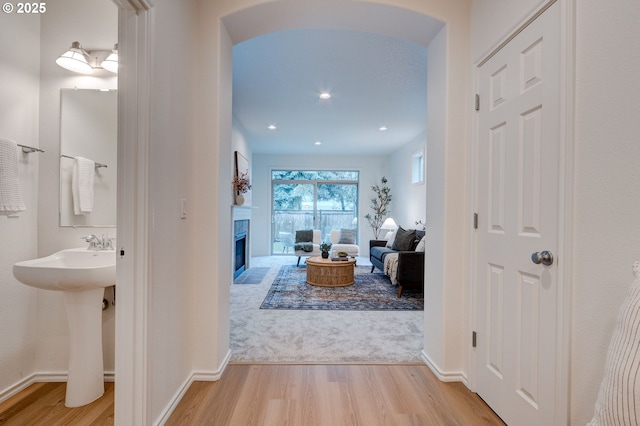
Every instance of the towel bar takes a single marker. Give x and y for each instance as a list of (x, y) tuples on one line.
[(29, 149), (98, 165)]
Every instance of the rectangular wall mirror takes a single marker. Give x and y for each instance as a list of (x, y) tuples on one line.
[(89, 128)]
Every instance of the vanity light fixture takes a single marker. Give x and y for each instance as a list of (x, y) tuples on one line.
[(78, 60)]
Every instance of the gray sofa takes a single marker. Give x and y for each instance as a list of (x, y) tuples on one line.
[(410, 262)]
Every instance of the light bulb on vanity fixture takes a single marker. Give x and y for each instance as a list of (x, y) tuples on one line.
[(78, 60), (75, 59), (111, 63)]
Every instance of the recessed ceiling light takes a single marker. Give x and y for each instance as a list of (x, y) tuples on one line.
[(271, 127), (383, 128), (317, 143), (325, 95)]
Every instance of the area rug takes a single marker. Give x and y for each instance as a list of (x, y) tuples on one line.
[(370, 292)]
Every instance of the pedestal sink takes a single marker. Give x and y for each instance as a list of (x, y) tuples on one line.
[(81, 275)]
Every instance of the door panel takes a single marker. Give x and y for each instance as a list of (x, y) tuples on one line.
[(518, 179)]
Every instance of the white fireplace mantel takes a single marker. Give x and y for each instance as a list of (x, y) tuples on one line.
[(241, 212)]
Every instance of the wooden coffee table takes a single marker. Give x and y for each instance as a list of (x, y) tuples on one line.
[(329, 273)]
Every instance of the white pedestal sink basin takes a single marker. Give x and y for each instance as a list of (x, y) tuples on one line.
[(82, 275)]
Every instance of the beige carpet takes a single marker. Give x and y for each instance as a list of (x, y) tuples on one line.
[(292, 336)]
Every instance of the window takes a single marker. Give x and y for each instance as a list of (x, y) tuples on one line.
[(307, 199), (417, 167)]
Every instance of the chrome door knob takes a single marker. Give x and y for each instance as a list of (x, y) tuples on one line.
[(544, 257)]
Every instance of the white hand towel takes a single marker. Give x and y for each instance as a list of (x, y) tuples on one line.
[(82, 185), (11, 201)]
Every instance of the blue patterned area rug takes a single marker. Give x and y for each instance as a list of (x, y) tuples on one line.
[(370, 292)]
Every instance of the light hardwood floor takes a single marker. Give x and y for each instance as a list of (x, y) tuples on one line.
[(271, 394), (330, 395), (43, 404)]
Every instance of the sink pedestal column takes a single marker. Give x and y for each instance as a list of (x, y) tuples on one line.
[(85, 383)]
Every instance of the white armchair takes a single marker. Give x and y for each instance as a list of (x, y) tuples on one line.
[(336, 246)]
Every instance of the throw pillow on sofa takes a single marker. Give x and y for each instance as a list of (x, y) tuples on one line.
[(421, 245), (392, 239), (347, 236), (404, 239)]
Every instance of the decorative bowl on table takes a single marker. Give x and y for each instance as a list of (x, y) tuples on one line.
[(342, 254)]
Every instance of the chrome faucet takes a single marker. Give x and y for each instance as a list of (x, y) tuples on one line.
[(99, 243)]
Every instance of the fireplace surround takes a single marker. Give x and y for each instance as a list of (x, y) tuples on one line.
[(241, 239)]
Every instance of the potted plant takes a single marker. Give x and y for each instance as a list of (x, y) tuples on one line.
[(380, 206), (241, 185), (324, 248)]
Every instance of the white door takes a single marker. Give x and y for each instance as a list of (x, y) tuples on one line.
[(519, 148)]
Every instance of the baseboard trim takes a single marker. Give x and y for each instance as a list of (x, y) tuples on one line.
[(444, 376), (203, 376), (40, 377)]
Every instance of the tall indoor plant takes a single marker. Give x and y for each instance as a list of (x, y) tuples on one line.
[(380, 206)]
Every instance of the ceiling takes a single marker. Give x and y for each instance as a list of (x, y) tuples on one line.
[(375, 80)]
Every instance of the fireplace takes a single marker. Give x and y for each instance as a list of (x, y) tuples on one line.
[(241, 242)]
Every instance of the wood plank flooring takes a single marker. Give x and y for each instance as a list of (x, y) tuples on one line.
[(43, 404), (272, 394), (318, 395)]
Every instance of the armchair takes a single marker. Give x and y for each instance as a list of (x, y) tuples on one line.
[(309, 247)]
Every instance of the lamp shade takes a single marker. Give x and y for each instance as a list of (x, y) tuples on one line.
[(389, 223), (111, 62), (75, 59)]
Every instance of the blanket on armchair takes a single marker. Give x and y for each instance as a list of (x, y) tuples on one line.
[(308, 247)]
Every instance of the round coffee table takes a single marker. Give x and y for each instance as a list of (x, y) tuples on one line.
[(330, 273)]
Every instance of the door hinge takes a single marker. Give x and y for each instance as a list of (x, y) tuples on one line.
[(473, 339), (475, 221), (477, 102)]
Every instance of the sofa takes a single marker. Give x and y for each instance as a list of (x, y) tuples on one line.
[(307, 243), (409, 248)]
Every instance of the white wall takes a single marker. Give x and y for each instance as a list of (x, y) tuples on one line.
[(409, 203), (19, 85), (434, 292), (606, 180), (371, 169), (64, 22), (492, 20), (172, 244)]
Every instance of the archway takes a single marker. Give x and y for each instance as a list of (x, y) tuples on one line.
[(448, 124), (446, 156)]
